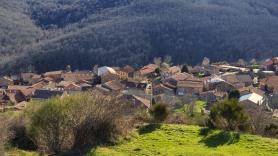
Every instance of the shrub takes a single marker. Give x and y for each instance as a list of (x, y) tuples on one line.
[(271, 130), (67, 123), (159, 112), (4, 133), (184, 69), (228, 115), (234, 94)]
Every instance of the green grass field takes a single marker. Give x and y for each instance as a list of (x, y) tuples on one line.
[(199, 106), (190, 141)]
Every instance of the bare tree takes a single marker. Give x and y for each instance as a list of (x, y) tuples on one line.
[(168, 59), (206, 61), (157, 61)]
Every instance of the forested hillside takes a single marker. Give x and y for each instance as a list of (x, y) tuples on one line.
[(51, 34)]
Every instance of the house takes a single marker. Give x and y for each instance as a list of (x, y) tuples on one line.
[(270, 84), (245, 79), (251, 89), (17, 97), (211, 82), (148, 71), (141, 101), (4, 98), (30, 78), (134, 83), (85, 86), (69, 86), (275, 113), (271, 64), (166, 71), (174, 70), (212, 96), (239, 81), (162, 89), (39, 85), (5, 82), (107, 74), (44, 94), (212, 70), (191, 86), (126, 72), (251, 98), (222, 86), (113, 85), (173, 80), (27, 91), (78, 76), (231, 78), (55, 75)]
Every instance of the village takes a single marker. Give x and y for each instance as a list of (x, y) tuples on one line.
[(257, 83)]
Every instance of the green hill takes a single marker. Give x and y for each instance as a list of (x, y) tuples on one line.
[(190, 141)]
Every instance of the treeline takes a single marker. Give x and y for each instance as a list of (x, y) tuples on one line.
[(83, 33)]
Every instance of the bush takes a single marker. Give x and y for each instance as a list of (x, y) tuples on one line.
[(234, 94), (159, 112), (228, 115), (271, 130), (68, 123), (4, 133)]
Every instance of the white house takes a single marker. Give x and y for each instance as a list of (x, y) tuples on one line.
[(252, 98)]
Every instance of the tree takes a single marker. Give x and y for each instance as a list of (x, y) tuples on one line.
[(158, 71), (191, 108), (241, 62), (228, 115), (159, 112), (168, 60), (184, 69), (253, 61), (157, 61), (30, 68), (234, 94), (68, 68), (206, 61), (95, 69)]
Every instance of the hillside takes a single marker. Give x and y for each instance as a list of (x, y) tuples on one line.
[(184, 141), (191, 141), (51, 34)]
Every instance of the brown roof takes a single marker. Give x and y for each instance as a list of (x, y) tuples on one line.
[(232, 78), (244, 78), (190, 84), (17, 87), (271, 61), (77, 76), (39, 85), (272, 82), (148, 69), (181, 76), (26, 75), (25, 90), (58, 72), (146, 102), (252, 90), (174, 69), (113, 85), (128, 69)]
